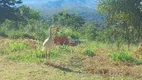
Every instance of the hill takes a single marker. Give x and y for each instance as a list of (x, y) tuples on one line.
[(61, 3), (84, 8)]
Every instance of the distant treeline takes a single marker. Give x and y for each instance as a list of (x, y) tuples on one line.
[(123, 22)]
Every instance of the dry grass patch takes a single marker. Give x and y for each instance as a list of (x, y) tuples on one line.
[(82, 61), (101, 65), (138, 51), (37, 71)]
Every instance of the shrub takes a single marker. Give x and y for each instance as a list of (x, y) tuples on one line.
[(121, 56), (69, 33), (15, 34), (34, 29), (3, 34)]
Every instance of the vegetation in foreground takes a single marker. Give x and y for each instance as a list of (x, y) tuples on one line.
[(93, 61)]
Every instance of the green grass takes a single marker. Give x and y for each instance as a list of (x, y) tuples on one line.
[(65, 49), (88, 52), (21, 52), (26, 56), (74, 57), (121, 56), (16, 46), (33, 71), (137, 61), (125, 56)]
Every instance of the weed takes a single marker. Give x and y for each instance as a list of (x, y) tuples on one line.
[(53, 52), (88, 52), (137, 61), (37, 53), (2, 52), (15, 46), (65, 49), (121, 56), (29, 56)]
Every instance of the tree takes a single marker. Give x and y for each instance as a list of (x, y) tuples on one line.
[(89, 31), (66, 19), (26, 13), (8, 9), (126, 14)]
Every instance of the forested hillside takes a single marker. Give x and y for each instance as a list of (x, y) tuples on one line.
[(84, 8)]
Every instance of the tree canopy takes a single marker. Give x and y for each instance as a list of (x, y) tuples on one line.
[(67, 19), (124, 10), (24, 13), (8, 9), (124, 19)]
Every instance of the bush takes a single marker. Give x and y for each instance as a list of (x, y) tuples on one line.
[(121, 56), (64, 31), (89, 31), (3, 34), (34, 29)]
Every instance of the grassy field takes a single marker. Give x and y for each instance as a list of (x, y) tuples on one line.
[(20, 59)]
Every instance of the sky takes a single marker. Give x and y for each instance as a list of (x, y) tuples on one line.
[(35, 1), (88, 3)]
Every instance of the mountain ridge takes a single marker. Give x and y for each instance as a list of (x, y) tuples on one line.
[(84, 8), (61, 3)]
